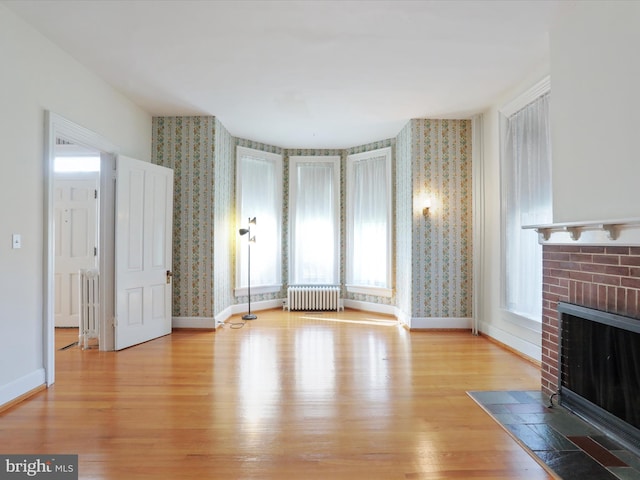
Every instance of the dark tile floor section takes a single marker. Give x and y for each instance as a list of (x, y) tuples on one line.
[(568, 446)]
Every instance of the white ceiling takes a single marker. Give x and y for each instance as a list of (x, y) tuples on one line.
[(310, 74)]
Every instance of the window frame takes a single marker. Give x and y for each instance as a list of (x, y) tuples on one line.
[(351, 286), (538, 90), (241, 220), (335, 160)]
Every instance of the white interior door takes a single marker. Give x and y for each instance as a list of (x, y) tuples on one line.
[(144, 206), (75, 227)]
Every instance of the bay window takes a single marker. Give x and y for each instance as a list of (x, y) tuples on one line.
[(314, 220), (369, 217), (259, 195)]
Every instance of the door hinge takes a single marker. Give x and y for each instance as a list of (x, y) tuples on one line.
[(95, 194), (95, 251)]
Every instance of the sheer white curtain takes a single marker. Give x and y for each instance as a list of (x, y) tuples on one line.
[(314, 222), (527, 201), (259, 195), (368, 216)]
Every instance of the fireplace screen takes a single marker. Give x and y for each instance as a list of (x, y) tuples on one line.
[(600, 369)]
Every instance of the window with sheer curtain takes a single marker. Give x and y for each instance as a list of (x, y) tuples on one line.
[(369, 222), (527, 200), (314, 215), (259, 195)]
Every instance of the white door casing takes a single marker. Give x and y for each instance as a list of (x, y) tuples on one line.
[(75, 227), (58, 126), (143, 224)]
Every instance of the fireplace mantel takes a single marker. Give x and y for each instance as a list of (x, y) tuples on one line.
[(604, 232)]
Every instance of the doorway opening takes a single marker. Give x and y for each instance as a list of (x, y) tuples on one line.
[(79, 213), (76, 173)]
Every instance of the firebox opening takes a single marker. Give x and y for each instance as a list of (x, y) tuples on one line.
[(599, 365)]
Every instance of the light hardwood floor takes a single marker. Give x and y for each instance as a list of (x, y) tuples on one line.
[(288, 396)]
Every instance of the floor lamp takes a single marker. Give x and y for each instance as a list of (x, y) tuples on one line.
[(247, 231)]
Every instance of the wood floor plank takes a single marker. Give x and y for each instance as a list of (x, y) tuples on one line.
[(288, 396)]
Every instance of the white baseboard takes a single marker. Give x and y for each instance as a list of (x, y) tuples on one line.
[(209, 322), (412, 323), (22, 385), (257, 306), (370, 307), (193, 322), (526, 348), (224, 315), (403, 318), (462, 323)]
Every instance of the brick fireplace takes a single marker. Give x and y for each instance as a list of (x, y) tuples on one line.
[(605, 278)]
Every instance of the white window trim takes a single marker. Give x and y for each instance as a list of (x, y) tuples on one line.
[(386, 291), (367, 290), (241, 221), (293, 162), (525, 98), (508, 109)]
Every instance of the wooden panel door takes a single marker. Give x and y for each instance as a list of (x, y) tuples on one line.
[(75, 240), (144, 212)]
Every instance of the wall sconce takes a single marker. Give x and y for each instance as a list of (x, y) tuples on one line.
[(426, 206)]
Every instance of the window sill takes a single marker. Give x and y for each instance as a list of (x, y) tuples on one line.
[(375, 291), (257, 290)]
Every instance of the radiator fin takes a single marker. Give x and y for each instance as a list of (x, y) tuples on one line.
[(89, 306), (313, 297)]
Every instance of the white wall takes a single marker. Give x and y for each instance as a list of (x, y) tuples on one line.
[(595, 73), (36, 76)]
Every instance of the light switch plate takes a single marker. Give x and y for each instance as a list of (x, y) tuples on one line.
[(16, 240)]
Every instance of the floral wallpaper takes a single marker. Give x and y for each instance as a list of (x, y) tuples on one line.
[(187, 145), (224, 219), (442, 241), (404, 220)]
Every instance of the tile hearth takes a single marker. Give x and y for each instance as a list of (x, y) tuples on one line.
[(564, 444)]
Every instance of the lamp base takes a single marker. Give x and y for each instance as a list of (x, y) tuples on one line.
[(249, 316)]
